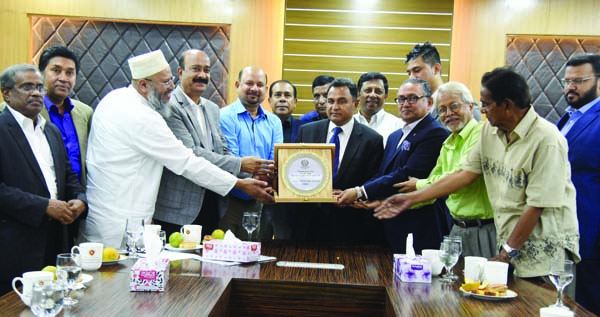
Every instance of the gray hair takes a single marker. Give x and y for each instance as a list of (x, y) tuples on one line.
[(8, 77), (424, 85), (454, 88)]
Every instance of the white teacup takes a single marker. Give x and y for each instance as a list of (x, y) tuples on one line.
[(192, 233), (89, 255), (433, 256), (495, 272), (152, 228), (30, 279), (474, 267)]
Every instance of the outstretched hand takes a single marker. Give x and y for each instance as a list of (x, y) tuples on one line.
[(392, 206), (259, 190), (409, 186)]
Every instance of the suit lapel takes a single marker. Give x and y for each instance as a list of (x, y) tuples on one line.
[(55, 149), (582, 123), (413, 134), (351, 148), (19, 136), (189, 111)]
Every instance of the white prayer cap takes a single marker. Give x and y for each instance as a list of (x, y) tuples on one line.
[(148, 64)]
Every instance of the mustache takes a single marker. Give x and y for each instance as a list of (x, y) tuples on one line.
[(201, 80)]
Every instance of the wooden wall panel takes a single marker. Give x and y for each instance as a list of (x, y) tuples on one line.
[(347, 39)]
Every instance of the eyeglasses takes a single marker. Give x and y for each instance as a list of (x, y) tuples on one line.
[(576, 81), (453, 107), (411, 99), (168, 82), (29, 88)]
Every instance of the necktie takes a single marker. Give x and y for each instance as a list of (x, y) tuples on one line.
[(335, 139)]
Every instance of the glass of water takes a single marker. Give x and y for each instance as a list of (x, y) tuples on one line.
[(68, 272), (449, 253), (47, 299), (134, 228), (458, 241), (561, 275), (250, 222)]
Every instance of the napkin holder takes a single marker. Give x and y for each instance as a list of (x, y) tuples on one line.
[(237, 251), (147, 277)]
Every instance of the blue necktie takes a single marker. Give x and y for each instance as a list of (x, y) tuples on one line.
[(335, 139)]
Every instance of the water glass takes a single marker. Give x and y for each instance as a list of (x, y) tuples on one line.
[(163, 238), (134, 228), (250, 222), (561, 275), (457, 240), (449, 253), (68, 271), (47, 299)]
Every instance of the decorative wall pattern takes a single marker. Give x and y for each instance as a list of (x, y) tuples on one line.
[(541, 60), (104, 47)]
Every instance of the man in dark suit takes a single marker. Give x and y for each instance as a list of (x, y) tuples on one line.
[(360, 152), (39, 193), (195, 121), (581, 126), (410, 151), (282, 98)]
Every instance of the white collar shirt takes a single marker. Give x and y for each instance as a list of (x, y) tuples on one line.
[(201, 118), (383, 122), (344, 136), (407, 129)]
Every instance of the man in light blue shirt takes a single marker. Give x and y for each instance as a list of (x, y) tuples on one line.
[(249, 131)]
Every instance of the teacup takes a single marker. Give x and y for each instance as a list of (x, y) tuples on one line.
[(474, 267), (30, 279), (89, 255), (433, 256), (192, 233), (495, 272)]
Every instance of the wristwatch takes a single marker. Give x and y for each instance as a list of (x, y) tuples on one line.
[(512, 252)]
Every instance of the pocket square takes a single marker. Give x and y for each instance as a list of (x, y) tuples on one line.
[(405, 146)]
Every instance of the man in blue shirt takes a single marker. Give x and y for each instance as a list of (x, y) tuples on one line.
[(319, 89), (249, 131), (59, 65)]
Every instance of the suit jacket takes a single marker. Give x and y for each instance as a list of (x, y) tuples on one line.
[(295, 125), (327, 222), (179, 199), (584, 156), (82, 120), (416, 157), (28, 237)]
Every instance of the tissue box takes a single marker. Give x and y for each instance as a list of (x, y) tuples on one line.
[(414, 270), (145, 277), (231, 250)]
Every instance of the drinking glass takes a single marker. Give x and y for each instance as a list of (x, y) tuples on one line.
[(67, 272), (134, 228), (47, 299), (449, 253), (561, 275), (458, 241), (250, 222), (163, 238)]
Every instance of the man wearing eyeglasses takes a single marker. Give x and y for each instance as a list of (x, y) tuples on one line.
[(524, 163), (410, 151), (39, 193), (581, 127), (129, 145), (471, 211), (195, 121)]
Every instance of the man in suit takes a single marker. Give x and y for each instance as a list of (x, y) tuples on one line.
[(581, 126), (39, 193), (282, 98), (195, 121), (359, 156), (410, 151)]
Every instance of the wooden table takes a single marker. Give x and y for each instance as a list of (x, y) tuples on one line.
[(366, 287)]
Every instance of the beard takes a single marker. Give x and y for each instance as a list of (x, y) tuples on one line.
[(155, 101), (583, 99)]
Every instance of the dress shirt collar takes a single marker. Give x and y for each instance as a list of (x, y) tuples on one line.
[(375, 119), (52, 108), (239, 109), (410, 126), (585, 108), (190, 99), (346, 128), (522, 128), (25, 122)]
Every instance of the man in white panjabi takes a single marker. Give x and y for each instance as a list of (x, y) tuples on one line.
[(128, 147)]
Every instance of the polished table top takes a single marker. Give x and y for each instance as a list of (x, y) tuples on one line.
[(365, 287)]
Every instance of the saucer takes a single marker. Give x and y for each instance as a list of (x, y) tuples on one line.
[(121, 258), (509, 294), (170, 248)]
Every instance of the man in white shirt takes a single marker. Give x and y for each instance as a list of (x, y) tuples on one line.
[(129, 145), (373, 91), (39, 193)]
